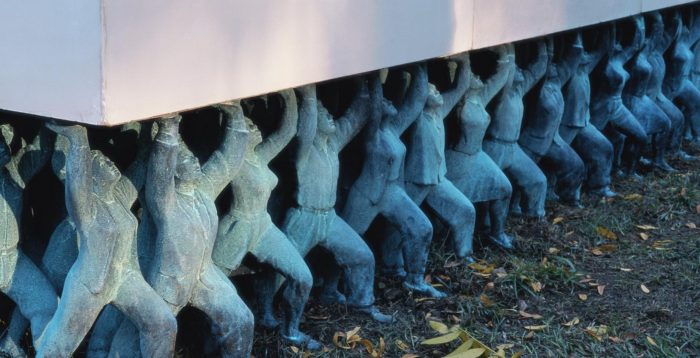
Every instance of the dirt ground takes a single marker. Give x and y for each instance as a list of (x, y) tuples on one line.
[(618, 278)]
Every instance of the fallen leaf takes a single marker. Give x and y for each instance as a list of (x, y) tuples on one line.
[(582, 296), (697, 209), (557, 220), (530, 335), (597, 332), (604, 249), (337, 340), (691, 226), (553, 250), (634, 196), (606, 233), (438, 326), (572, 323), (505, 346), (530, 315), (294, 349), (423, 299), (402, 345), (445, 338), (410, 355), (536, 286), (489, 286), (536, 328), (647, 227), (615, 339), (644, 236), (471, 353), (601, 289), (624, 269), (486, 300), (597, 252), (644, 288), (652, 341), (518, 354), (500, 272)]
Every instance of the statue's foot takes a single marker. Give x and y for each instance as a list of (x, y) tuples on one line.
[(645, 162), (604, 192), (502, 240), (330, 297), (574, 203), (9, 348), (682, 155), (552, 196), (423, 289), (664, 167), (393, 271), (303, 341), (375, 314), (469, 259)]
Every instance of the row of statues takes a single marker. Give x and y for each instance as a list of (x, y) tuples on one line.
[(146, 242)]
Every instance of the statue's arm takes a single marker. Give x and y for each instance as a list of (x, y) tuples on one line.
[(376, 96), (31, 158), (78, 183), (160, 173), (596, 55), (452, 96), (135, 175), (355, 117), (694, 27), (571, 60), (224, 163), (506, 64), (637, 41), (308, 121), (536, 70), (414, 101), (275, 142)]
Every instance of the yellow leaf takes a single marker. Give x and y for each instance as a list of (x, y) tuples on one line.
[(582, 296), (294, 349), (647, 227), (644, 236), (597, 332), (644, 288), (530, 315), (402, 345), (606, 233), (464, 346), (445, 338), (337, 342), (652, 341), (633, 196), (601, 289), (557, 220), (624, 269), (573, 322), (472, 353), (410, 355), (597, 252), (536, 286), (518, 354), (489, 286), (486, 300), (691, 226), (536, 328), (423, 299), (553, 250), (438, 326)]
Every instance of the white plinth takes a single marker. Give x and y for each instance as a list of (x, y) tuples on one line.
[(108, 62)]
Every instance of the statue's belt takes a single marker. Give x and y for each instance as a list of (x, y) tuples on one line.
[(315, 210), (7, 251), (502, 141)]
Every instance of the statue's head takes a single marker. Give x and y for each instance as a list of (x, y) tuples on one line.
[(518, 78), (255, 134), (475, 83), (434, 97), (326, 124), (552, 70), (105, 173), (187, 169), (657, 23), (388, 109)]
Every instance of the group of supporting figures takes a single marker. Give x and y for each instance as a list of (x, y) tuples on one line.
[(566, 118)]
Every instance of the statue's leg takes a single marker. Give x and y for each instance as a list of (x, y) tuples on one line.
[(689, 96), (563, 162), (276, 250), (458, 212), (527, 176), (391, 246), (104, 331), (60, 254), (126, 341), (635, 138), (33, 294), (154, 319), (76, 312), (416, 232), (232, 322), (677, 120), (359, 211), (618, 142), (10, 342), (596, 151)]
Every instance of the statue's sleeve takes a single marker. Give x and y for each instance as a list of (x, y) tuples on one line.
[(78, 185), (354, 118), (414, 102), (224, 163), (275, 142), (134, 176), (493, 85), (308, 122), (31, 158), (160, 174), (537, 69), (451, 97)]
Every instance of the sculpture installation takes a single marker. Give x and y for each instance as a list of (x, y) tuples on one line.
[(658, 42), (469, 168), (677, 85), (180, 200), (607, 105), (425, 169), (590, 144), (248, 228), (540, 138), (20, 279), (314, 221), (656, 123), (379, 188), (501, 142), (98, 200)]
